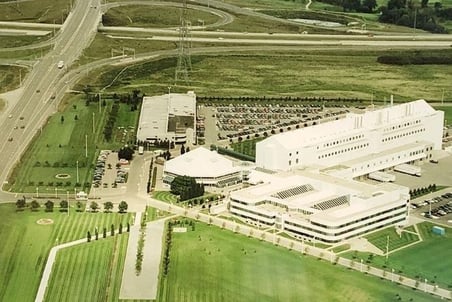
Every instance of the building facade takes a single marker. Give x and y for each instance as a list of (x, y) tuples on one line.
[(360, 143)]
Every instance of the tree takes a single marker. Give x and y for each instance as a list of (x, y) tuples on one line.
[(105, 232), (125, 153), (49, 206), (34, 205), (120, 228), (88, 236), (186, 187), (64, 206), (112, 230), (182, 149), (94, 206), (76, 117), (20, 204), (108, 206), (122, 207), (128, 227), (62, 119)]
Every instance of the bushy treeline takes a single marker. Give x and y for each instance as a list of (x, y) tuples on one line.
[(186, 187), (414, 60)]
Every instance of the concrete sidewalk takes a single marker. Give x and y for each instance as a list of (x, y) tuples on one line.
[(144, 286)]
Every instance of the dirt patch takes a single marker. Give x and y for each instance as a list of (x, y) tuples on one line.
[(44, 221)]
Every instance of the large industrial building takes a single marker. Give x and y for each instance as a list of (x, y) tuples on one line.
[(358, 144), (169, 117)]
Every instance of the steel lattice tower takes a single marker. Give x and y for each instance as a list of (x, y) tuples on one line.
[(183, 61)]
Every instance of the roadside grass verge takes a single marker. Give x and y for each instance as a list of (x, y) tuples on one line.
[(16, 41), (42, 11), (26, 244), (210, 264), (153, 16), (66, 139), (429, 259), (10, 77)]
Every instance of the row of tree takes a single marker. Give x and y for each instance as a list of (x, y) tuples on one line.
[(406, 13), (422, 191), (104, 233), (49, 205), (109, 125)]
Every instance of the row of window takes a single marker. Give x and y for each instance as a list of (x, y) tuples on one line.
[(402, 125), (345, 140), (387, 139), (343, 151)]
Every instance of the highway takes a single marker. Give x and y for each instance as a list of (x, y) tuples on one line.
[(36, 104)]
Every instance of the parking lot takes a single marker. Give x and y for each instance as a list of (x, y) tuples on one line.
[(109, 173), (438, 208)]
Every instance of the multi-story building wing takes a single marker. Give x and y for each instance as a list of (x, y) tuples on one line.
[(320, 207), (360, 143)]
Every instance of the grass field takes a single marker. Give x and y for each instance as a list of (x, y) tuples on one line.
[(42, 11), (10, 77), (61, 144), (230, 267), (153, 16), (309, 72), (26, 244), (429, 259), (89, 272)]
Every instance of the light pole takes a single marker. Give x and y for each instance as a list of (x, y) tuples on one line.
[(387, 247), (94, 124), (392, 275), (67, 198), (77, 172), (37, 192), (361, 266), (425, 285), (56, 193)]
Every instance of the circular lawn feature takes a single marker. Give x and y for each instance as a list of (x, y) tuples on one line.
[(63, 176), (45, 221)]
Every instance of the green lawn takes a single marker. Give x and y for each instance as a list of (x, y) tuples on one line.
[(380, 239), (210, 264), (447, 113), (16, 41), (89, 272), (61, 144), (247, 147), (429, 259), (26, 244)]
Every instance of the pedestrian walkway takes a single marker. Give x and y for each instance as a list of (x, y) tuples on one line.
[(144, 285)]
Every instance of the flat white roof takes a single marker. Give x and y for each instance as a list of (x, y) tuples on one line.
[(200, 163), (155, 111), (349, 125), (362, 197)]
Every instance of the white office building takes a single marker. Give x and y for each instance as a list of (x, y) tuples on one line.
[(320, 207), (207, 167), (358, 144), (168, 117)]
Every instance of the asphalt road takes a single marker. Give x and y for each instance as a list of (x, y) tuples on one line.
[(36, 104)]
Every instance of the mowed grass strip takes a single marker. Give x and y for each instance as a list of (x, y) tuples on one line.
[(42, 11), (390, 237), (247, 147), (210, 264), (83, 271), (165, 196), (26, 244)]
